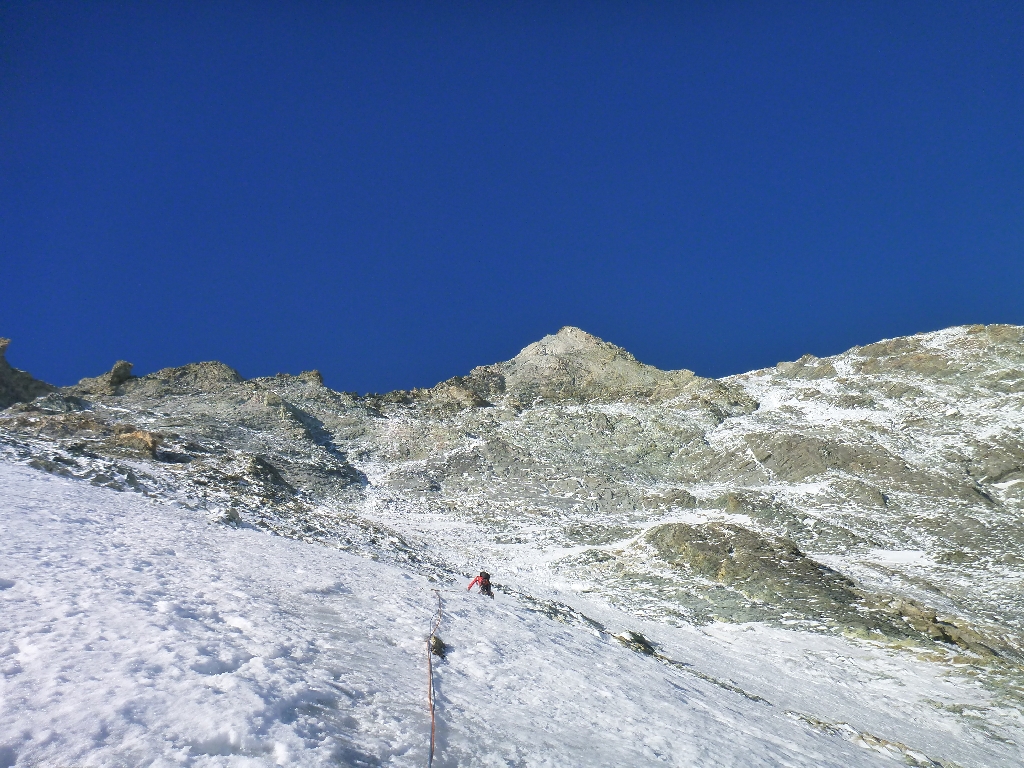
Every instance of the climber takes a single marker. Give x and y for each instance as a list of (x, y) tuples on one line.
[(484, 580)]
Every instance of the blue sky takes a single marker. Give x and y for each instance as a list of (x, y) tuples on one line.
[(394, 193)]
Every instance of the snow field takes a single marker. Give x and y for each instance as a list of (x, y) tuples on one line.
[(138, 634)]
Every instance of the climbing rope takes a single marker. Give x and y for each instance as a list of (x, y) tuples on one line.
[(430, 674), (435, 623)]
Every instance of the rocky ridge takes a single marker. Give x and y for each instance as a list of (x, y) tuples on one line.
[(878, 493), (17, 386)]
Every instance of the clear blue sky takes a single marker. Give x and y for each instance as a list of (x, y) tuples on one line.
[(396, 192)]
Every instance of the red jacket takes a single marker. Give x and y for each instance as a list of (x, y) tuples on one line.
[(478, 580)]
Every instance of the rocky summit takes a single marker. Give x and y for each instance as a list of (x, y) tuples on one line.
[(877, 494)]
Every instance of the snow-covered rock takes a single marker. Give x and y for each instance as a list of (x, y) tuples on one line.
[(838, 539)]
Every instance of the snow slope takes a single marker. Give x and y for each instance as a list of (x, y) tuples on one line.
[(135, 633)]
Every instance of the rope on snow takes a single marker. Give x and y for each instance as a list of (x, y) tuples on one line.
[(430, 674)]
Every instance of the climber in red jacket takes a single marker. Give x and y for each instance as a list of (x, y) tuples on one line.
[(484, 580)]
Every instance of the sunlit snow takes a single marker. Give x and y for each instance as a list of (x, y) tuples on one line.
[(136, 633)]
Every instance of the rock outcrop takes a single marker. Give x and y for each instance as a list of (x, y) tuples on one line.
[(17, 386), (193, 378), (140, 441), (574, 366), (866, 504), (106, 384), (878, 491), (765, 568)]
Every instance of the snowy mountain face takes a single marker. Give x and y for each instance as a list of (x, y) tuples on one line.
[(834, 544)]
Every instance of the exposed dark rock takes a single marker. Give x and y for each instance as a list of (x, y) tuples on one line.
[(140, 441), (636, 642), (918, 362), (258, 469), (903, 345), (17, 386), (438, 647), (797, 457), (71, 424), (572, 365), (187, 379), (107, 384), (926, 621), (60, 402), (486, 382), (450, 396), (807, 367), (762, 567), (997, 461), (910, 444)]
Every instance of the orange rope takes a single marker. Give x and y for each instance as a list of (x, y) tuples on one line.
[(430, 703), (430, 676)]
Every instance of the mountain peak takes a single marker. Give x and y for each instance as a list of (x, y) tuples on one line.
[(575, 365), (572, 342)]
